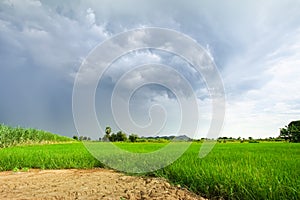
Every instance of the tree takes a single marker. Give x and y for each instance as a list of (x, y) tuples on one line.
[(75, 137), (107, 135), (291, 132), (107, 130), (284, 133), (121, 136), (133, 137), (112, 137)]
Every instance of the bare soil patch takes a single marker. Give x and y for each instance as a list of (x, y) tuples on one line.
[(86, 184)]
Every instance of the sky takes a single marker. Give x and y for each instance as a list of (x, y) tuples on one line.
[(255, 46)]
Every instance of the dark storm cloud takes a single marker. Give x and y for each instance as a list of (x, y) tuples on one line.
[(255, 45)]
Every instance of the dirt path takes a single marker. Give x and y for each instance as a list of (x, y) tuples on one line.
[(86, 184)]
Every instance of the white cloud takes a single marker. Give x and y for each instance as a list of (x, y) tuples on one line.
[(263, 110), (90, 17)]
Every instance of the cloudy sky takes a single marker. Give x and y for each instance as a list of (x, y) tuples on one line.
[(255, 46)]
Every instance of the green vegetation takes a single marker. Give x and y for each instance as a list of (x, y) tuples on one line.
[(120, 136), (240, 171), (47, 156), (232, 171), (15, 136), (133, 137), (114, 137), (291, 132)]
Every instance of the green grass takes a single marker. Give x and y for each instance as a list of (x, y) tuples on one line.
[(142, 147), (47, 156), (230, 171), (15, 136), (240, 171)]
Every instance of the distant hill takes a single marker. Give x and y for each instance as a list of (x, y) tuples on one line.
[(14, 136), (183, 138), (172, 137)]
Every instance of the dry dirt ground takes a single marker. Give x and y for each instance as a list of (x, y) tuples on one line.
[(86, 184)]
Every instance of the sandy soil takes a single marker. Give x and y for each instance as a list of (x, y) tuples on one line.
[(86, 184)]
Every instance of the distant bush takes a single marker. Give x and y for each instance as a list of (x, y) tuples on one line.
[(141, 140), (14, 136), (133, 137), (75, 137), (117, 137), (253, 141), (162, 141)]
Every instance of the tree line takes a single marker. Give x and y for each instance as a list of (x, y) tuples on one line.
[(109, 136), (118, 137), (290, 133)]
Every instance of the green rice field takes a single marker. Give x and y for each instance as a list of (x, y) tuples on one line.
[(230, 171)]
